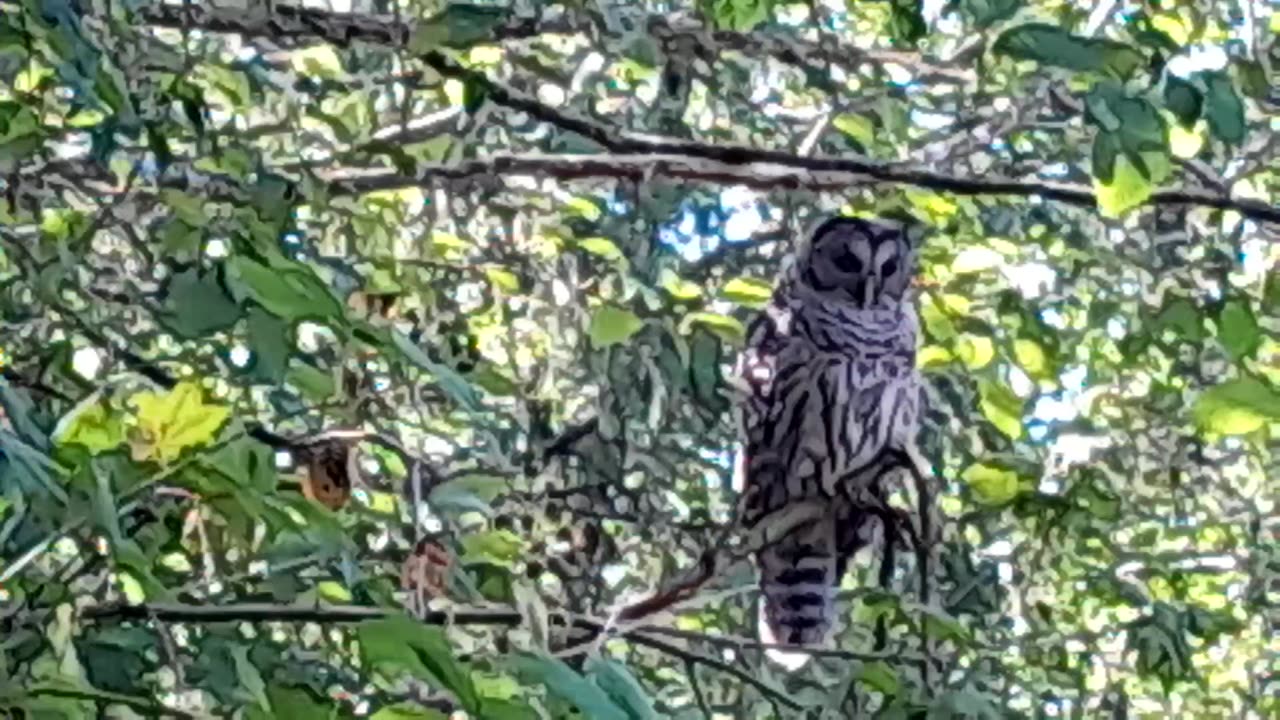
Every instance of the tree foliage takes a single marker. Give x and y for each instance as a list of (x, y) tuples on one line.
[(370, 359)]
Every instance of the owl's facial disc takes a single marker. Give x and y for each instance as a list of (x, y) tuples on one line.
[(858, 261)]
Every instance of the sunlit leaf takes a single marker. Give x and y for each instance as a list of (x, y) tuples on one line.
[(170, 422), (748, 292), (990, 484), (975, 351), (91, 424), (611, 325), (1001, 407), (1128, 189), (1237, 407)]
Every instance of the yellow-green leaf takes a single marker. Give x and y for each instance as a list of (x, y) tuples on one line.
[(503, 279), (1128, 189), (991, 485), (501, 547), (857, 127), (748, 292), (611, 325), (679, 288), (933, 356), (333, 591), (1237, 407), (604, 247), (975, 351), (170, 422), (728, 328), (1186, 143), (90, 424), (318, 60), (1031, 358), (1001, 407)]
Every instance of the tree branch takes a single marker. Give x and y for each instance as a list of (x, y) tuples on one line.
[(636, 157), (769, 170)]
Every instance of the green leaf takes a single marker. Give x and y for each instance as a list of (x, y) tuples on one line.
[(906, 23), (313, 382), (604, 247), (991, 485), (858, 127), (1001, 407), (195, 305), (728, 328), (399, 644), (458, 26), (1031, 357), (1236, 407), (748, 292), (611, 325), (561, 680), (452, 383), (409, 711), (469, 493), (985, 13), (880, 677), (286, 289), (271, 342), (1051, 45), (1223, 108), (90, 424), (1182, 317), (620, 685), (170, 422), (1238, 330), (975, 351), (1126, 190), (740, 15), (497, 547), (293, 703), (1182, 99)]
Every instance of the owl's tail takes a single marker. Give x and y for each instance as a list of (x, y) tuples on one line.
[(800, 573), (798, 580)]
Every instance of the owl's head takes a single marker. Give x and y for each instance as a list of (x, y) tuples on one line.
[(868, 263)]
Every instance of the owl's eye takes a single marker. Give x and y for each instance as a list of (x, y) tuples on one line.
[(890, 267), (848, 263)]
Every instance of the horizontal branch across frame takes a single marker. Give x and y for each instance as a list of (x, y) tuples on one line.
[(632, 156)]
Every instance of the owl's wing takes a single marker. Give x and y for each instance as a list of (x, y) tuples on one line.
[(762, 455)]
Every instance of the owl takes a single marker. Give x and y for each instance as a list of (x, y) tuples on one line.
[(828, 385)]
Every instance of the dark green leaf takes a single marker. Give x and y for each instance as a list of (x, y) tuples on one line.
[(620, 685), (1238, 330), (1223, 108), (985, 13), (571, 687), (286, 289), (196, 305), (271, 342), (1051, 45), (400, 644), (1182, 99), (459, 25), (906, 22)]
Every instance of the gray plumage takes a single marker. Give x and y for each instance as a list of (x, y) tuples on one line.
[(829, 383)]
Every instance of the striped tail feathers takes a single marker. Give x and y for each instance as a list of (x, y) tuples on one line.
[(798, 582)]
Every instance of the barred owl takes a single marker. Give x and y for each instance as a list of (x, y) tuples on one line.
[(829, 385)]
